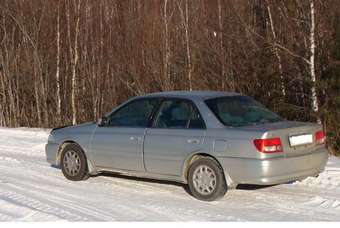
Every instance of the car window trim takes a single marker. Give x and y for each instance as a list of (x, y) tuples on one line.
[(130, 102), (155, 111), (163, 99)]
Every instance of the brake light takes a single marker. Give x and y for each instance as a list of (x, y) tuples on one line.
[(272, 145), (320, 137)]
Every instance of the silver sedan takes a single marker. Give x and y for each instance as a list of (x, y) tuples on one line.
[(211, 141)]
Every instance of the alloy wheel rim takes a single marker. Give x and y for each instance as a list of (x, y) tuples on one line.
[(204, 180), (72, 163)]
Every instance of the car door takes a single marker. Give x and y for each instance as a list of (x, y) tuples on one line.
[(178, 130), (118, 144)]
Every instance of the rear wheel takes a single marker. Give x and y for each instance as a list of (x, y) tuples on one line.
[(73, 162), (206, 179)]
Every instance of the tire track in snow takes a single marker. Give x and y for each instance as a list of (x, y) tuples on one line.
[(292, 201), (4, 215), (56, 197), (36, 205)]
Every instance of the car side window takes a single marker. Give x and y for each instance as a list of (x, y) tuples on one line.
[(134, 114), (178, 114)]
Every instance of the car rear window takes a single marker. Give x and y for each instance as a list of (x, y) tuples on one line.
[(237, 111)]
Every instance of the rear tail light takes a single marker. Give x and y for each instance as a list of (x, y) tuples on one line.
[(272, 145), (320, 137)]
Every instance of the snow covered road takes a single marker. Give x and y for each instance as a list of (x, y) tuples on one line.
[(32, 190)]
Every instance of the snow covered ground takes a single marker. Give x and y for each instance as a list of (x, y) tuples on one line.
[(32, 190)]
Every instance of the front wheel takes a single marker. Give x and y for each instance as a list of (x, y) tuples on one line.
[(73, 162), (206, 179)]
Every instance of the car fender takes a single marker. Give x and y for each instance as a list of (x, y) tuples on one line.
[(191, 157)]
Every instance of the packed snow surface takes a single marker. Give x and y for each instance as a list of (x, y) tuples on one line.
[(32, 190)]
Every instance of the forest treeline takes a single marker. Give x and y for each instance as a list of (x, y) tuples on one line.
[(70, 61)]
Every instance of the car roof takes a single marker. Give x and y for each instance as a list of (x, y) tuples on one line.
[(203, 95)]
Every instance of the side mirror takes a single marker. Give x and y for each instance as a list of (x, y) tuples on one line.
[(102, 121)]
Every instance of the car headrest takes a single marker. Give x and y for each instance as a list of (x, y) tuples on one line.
[(180, 113)]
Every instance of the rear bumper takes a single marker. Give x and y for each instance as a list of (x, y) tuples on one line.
[(51, 150), (275, 170)]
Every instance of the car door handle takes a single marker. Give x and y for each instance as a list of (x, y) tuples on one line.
[(133, 138), (193, 141)]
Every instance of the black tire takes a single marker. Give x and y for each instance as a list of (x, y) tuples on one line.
[(76, 150), (220, 184)]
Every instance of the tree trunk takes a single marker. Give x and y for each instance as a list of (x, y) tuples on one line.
[(166, 63), (276, 51), (58, 67), (222, 54), (74, 88), (188, 44), (315, 103), (185, 22)]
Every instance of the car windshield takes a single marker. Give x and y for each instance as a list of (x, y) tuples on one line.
[(237, 111)]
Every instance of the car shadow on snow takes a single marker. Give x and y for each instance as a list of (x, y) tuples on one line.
[(143, 179), (252, 186), (126, 177), (247, 187)]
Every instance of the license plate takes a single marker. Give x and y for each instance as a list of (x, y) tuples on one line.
[(298, 140)]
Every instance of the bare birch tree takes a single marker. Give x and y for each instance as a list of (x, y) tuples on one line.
[(166, 61), (74, 59), (57, 75), (221, 41), (315, 103), (276, 51), (185, 22)]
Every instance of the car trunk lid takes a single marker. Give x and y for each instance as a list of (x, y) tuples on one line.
[(297, 137)]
